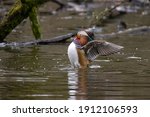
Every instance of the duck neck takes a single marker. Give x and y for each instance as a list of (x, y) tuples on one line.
[(77, 43)]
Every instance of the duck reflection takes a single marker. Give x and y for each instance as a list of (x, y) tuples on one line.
[(77, 84), (87, 84)]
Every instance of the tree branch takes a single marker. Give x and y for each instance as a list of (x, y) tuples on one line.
[(17, 14)]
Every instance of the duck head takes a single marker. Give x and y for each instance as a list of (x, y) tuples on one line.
[(83, 37)]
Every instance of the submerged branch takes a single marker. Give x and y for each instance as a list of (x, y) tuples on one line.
[(133, 31), (64, 38), (59, 39)]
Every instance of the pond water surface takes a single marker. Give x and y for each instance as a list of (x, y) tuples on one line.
[(44, 72)]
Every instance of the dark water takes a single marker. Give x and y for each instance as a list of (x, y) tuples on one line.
[(44, 72)]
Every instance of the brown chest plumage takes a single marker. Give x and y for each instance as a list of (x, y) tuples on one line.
[(82, 58)]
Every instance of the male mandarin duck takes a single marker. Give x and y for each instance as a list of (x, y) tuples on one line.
[(84, 49)]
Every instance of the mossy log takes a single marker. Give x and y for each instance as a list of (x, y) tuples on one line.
[(35, 23), (16, 15)]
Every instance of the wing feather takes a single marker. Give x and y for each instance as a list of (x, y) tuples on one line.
[(99, 47)]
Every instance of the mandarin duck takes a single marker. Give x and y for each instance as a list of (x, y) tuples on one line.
[(84, 49)]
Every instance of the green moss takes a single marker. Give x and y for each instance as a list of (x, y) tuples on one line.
[(18, 13), (14, 17), (35, 23)]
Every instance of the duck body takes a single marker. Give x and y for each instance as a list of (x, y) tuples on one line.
[(82, 50), (77, 56)]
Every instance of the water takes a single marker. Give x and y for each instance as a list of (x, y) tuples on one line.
[(44, 72)]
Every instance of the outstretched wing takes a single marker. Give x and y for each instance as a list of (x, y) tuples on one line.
[(99, 47)]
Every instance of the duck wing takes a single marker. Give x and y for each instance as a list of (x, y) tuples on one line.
[(99, 47)]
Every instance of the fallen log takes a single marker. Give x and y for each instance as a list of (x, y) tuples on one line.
[(64, 38), (59, 39), (132, 31)]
